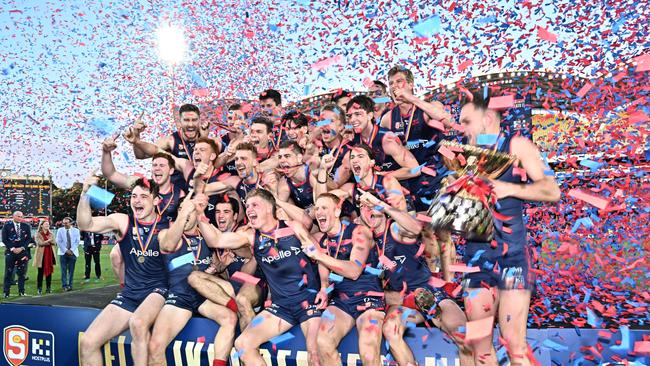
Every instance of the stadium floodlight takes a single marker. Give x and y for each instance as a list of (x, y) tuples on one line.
[(171, 44)]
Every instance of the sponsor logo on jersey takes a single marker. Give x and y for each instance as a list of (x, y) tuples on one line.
[(146, 253), (282, 254)]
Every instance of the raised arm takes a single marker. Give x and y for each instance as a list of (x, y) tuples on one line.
[(99, 224), (108, 168), (296, 213), (404, 158), (213, 237), (143, 149), (408, 226), (170, 239)]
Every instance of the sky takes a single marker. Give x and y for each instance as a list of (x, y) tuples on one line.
[(73, 72)]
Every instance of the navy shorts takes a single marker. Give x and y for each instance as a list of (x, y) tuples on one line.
[(185, 300), (294, 314), (509, 271), (130, 300), (357, 305)]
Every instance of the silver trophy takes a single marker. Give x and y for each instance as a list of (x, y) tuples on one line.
[(464, 206)]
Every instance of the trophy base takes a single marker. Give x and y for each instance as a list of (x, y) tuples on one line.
[(461, 214)]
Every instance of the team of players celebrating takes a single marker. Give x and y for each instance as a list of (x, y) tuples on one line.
[(312, 220)]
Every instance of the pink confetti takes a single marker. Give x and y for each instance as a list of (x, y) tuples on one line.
[(479, 329), (242, 277), (544, 34), (503, 102), (601, 203)]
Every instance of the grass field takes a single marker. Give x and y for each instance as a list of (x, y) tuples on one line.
[(108, 278)]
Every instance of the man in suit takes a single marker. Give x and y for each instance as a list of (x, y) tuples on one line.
[(92, 246), (16, 235), (67, 240)]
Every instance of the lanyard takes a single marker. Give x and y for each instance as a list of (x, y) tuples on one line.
[(149, 237), (338, 244), (274, 238), (189, 155), (383, 243), (160, 212), (196, 254), (375, 129), (408, 130)]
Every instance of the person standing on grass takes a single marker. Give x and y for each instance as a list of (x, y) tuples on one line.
[(44, 259), (16, 236), (67, 239), (92, 248)]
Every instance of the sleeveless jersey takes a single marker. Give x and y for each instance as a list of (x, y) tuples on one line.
[(340, 247), (184, 150), (195, 252), (510, 206), (243, 188), (302, 194), (169, 203), (411, 267), (384, 161), (290, 274), (144, 268), (419, 133)]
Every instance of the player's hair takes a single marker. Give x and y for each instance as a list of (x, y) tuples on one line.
[(397, 69), (234, 205), (273, 94), (366, 148), (237, 107), (478, 100), (299, 119), (266, 196), (293, 145), (336, 199), (363, 101), (264, 121), (147, 184), (383, 86), (188, 108), (166, 156), (331, 107), (209, 141), (341, 93), (247, 146)]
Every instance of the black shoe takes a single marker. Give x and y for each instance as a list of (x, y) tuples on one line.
[(48, 291), (6, 296), (39, 292), (21, 294)]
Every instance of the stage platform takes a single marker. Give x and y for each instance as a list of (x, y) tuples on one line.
[(46, 331)]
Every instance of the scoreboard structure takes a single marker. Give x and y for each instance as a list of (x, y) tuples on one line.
[(30, 194)]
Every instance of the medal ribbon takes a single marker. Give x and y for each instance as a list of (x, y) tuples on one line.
[(160, 212), (196, 256), (149, 237)]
